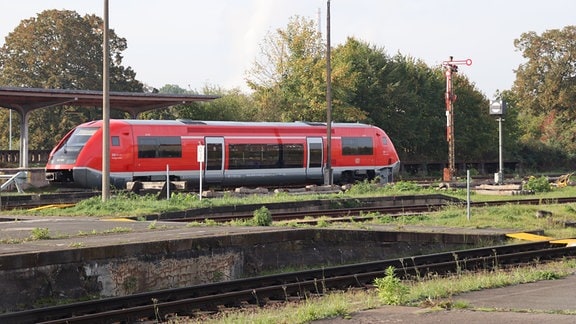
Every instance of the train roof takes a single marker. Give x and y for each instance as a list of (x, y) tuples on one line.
[(236, 123)]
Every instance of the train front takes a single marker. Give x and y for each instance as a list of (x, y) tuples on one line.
[(74, 152), (387, 157)]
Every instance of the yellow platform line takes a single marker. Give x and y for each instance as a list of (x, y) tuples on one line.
[(529, 237), (52, 206), (539, 238), (118, 219), (568, 242)]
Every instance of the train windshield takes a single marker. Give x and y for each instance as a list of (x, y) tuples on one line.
[(68, 152), (81, 136)]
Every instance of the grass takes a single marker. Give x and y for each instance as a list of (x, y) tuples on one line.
[(431, 292), (128, 204)]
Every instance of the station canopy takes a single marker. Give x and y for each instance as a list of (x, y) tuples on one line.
[(25, 100)]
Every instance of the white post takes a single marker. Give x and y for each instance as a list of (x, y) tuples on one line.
[(200, 159), (468, 194), (200, 181), (168, 181)]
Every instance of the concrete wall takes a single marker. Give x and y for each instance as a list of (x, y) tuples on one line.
[(72, 274), (36, 178)]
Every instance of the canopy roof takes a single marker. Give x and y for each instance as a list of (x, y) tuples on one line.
[(25, 100)]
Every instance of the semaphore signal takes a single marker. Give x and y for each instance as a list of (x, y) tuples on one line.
[(451, 67)]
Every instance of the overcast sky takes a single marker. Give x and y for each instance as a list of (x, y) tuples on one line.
[(193, 43)]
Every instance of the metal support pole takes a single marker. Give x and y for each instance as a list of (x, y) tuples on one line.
[(500, 159), (451, 68), (328, 170), (105, 109), (10, 131)]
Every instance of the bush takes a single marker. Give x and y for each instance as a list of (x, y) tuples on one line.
[(391, 290), (540, 184), (262, 217)]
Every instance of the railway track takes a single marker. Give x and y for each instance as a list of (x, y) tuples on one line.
[(357, 213), (258, 291), (9, 202)]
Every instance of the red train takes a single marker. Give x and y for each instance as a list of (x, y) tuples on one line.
[(235, 153)]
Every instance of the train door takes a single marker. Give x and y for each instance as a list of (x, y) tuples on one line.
[(314, 158), (214, 166)]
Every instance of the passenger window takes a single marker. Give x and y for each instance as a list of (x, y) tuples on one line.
[(115, 141)]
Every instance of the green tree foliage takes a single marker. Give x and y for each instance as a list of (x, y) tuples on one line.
[(288, 78), (60, 49), (545, 88), (232, 105)]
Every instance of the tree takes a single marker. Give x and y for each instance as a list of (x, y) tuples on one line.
[(545, 87), (232, 105), (59, 49), (289, 76)]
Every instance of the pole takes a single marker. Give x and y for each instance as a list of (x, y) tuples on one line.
[(451, 68), (500, 160), (468, 194), (328, 170), (449, 98), (10, 131), (105, 109), (201, 153), (200, 189), (167, 181)]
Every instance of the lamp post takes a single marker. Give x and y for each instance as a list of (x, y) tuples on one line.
[(498, 108)]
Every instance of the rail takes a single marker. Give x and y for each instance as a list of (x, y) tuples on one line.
[(258, 291)]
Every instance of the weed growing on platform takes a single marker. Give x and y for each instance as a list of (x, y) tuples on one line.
[(390, 288), (40, 234)]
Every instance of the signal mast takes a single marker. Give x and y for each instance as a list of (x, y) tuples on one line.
[(451, 67)]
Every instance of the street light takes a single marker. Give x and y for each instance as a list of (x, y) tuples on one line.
[(498, 108)]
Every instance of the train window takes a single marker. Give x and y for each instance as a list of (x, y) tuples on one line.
[(159, 147), (265, 156), (315, 155), (384, 141), (292, 156), (214, 156), (115, 140), (357, 146), (81, 136)]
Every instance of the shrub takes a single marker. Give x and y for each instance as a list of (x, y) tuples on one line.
[(540, 184), (262, 217), (390, 289)]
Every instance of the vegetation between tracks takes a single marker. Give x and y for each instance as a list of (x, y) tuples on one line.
[(432, 292), (514, 217)]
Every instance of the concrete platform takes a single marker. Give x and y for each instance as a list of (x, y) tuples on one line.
[(94, 232), (538, 302)]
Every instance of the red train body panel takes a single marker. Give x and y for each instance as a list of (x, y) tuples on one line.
[(235, 153)]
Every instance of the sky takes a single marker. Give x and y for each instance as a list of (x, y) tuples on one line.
[(192, 43)]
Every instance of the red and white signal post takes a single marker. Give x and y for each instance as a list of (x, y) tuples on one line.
[(451, 68)]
